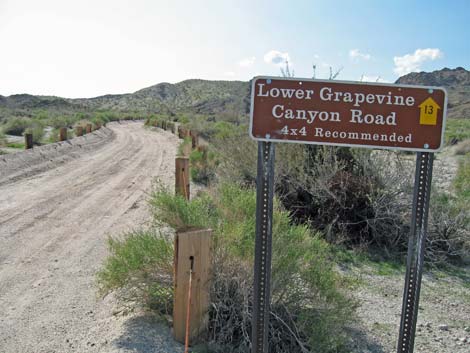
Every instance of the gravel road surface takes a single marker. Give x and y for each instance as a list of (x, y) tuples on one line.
[(53, 231)]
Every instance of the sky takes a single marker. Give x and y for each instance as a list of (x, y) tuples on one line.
[(82, 48)]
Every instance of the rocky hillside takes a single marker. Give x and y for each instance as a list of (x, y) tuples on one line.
[(196, 96), (457, 83), (212, 97)]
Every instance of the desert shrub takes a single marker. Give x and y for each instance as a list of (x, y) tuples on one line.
[(463, 148), (448, 230), (354, 196), (457, 130), (59, 122), (309, 310), (3, 139), (141, 264), (462, 179), (203, 165), (37, 129), (17, 126)]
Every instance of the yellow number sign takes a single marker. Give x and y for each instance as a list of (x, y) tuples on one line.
[(428, 112)]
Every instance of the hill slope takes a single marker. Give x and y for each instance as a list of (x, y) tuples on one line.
[(213, 97), (196, 96), (457, 83)]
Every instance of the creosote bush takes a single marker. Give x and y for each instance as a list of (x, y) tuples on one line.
[(203, 164), (309, 311)]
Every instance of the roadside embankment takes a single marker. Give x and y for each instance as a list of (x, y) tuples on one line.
[(23, 164)]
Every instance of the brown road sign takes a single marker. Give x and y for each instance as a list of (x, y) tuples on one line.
[(348, 113)]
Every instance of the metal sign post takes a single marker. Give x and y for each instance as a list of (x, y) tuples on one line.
[(341, 113), (416, 248), (264, 224)]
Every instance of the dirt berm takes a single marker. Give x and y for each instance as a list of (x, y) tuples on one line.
[(22, 164)]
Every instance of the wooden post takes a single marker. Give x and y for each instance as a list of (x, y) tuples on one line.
[(88, 128), (194, 139), (181, 132), (203, 149), (28, 141), (63, 134), (182, 177), (79, 130), (196, 245)]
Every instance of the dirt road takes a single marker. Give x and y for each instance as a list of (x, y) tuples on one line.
[(53, 231)]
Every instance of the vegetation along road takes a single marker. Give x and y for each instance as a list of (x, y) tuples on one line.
[(53, 231)]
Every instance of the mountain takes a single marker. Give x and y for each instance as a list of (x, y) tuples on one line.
[(212, 97), (457, 83), (195, 96)]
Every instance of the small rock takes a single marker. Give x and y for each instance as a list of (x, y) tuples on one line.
[(443, 327), (462, 339)]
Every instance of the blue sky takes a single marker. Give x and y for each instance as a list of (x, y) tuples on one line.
[(87, 48)]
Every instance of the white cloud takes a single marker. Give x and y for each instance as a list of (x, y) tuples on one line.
[(412, 62), (356, 54), (229, 73), (247, 62), (276, 57)]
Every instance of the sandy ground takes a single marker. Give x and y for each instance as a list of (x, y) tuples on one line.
[(53, 231)]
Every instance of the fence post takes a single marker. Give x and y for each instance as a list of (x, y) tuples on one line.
[(28, 141), (79, 130), (192, 251), (63, 134), (194, 139), (88, 128), (182, 177)]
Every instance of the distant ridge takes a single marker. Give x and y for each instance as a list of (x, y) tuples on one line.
[(457, 83), (212, 97)]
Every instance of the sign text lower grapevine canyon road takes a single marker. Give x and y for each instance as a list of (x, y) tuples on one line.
[(348, 113)]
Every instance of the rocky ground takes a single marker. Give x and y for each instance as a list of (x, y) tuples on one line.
[(443, 319)]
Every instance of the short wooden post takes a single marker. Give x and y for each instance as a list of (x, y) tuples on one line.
[(63, 134), (88, 128), (79, 130), (182, 177), (28, 141), (191, 248), (203, 149), (180, 132), (194, 139)]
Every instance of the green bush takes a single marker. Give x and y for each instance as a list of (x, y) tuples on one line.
[(3, 139), (17, 126), (462, 179), (457, 130), (309, 310), (142, 264), (203, 164), (449, 229), (59, 122)]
